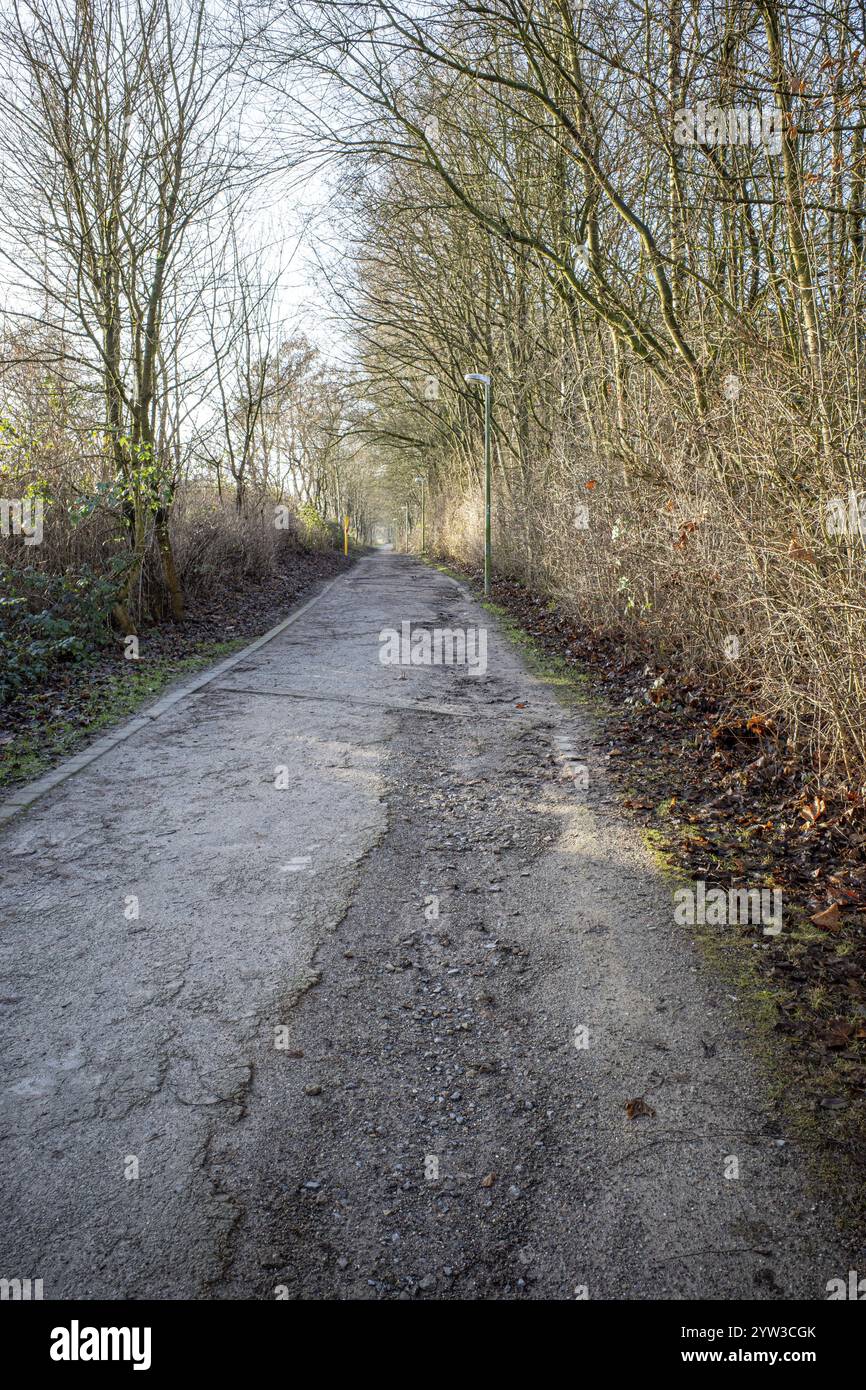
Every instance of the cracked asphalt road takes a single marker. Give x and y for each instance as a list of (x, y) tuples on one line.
[(337, 1044)]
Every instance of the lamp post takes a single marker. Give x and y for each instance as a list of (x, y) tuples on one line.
[(422, 480), (485, 381)]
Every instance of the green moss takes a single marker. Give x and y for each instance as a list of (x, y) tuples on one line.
[(569, 684)]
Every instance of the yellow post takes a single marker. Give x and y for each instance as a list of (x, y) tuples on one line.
[(345, 535)]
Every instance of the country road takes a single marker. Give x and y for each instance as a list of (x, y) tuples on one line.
[(332, 982)]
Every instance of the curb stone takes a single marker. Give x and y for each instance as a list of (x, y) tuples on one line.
[(32, 791)]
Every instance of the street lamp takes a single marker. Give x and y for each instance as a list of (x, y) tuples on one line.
[(485, 380), (421, 479)]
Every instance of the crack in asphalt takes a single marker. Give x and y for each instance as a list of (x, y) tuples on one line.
[(335, 981)]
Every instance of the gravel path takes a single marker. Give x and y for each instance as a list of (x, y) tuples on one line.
[(338, 1043)]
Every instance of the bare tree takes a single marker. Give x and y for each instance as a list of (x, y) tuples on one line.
[(127, 112)]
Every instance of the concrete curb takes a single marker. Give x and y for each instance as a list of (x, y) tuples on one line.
[(26, 795)]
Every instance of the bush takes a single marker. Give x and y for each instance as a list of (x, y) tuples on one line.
[(319, 533), (49, 619)]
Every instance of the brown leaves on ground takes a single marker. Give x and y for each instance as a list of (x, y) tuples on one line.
[(813, 811), (841, 1031), (637, 1107), (828, 919), (759, 725)]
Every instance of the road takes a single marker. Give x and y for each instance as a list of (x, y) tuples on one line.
[(393, 977)]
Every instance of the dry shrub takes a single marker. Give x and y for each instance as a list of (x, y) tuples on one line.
[(709, 546), (216, 545)]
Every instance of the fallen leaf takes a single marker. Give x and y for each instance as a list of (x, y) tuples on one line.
[(638, 1106), (838, 1033), (828, 918), (758, 724), (489, 1180), (797, 551)]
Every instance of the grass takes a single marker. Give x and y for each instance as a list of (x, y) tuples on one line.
[(116, 698)]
